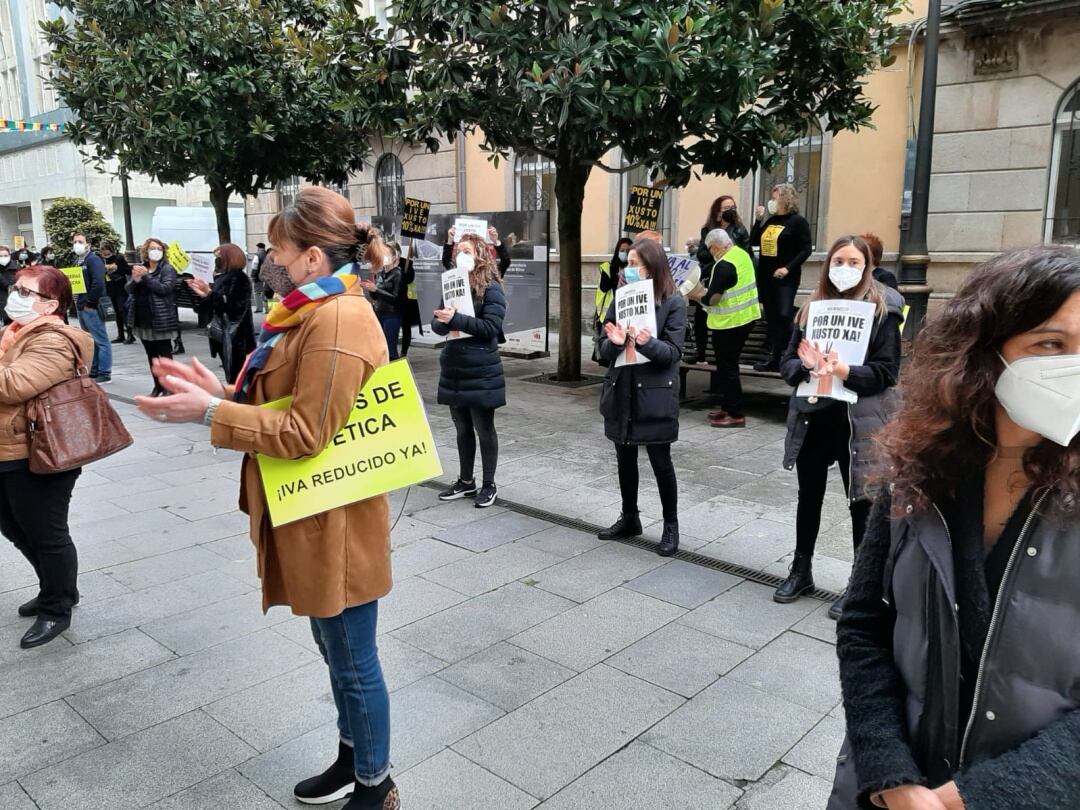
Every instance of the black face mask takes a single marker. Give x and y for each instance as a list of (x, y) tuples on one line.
[(729, 215)]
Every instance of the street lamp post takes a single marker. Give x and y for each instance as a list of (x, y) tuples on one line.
[(129, 238), (914, 252)]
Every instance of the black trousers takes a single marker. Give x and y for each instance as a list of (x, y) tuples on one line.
[(728, 345), (780, 313), (157, 348), (34, 517), (119, 302), (827, 441), (663, 469), (473, 424), (701, 331)]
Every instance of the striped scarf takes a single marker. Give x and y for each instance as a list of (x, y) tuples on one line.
[(289, 313)]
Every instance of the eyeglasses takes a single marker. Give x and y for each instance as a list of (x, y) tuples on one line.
[(26, 292)]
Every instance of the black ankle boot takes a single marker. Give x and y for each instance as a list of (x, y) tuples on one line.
[(800, 580), (669, 540), (628, 525), (381, 797), (335, 783)]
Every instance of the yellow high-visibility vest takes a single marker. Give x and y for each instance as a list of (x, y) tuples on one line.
[(603, 299), (739, 305)]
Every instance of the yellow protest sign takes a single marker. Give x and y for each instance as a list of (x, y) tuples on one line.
[(75, 276), (18, 242), (770, 239), (386, 444), (178, 258)]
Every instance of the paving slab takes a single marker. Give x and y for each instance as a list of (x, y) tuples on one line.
[(226, 790), (39, 737), (448, 780), (683, 584), (403, 663), (758, 729), (757, 545), (214, 624), (490, 532), (413, 599), (480, 573), (588, 575), (747, 615), (796, 668), (142, 768), (181, 564), (424, 555), (562, 541), (276, 772), (816, 753), (548, 743), (506, 676), (640, 777), (795, 791), (13, 797)]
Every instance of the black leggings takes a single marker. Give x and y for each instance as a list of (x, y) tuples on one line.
[(473, 423), (663, 469), (34, 517), (157, 348), (827, 439), (781, 318)]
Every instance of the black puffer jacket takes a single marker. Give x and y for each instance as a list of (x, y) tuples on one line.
[(228, 309), (640, 404), (153, 304), (386, 297), (471, 371)]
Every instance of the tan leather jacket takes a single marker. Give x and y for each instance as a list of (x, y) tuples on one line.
[(36, 362)]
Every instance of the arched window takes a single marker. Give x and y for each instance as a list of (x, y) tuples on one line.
[(800, 165), (1063, 202), (390, 187)]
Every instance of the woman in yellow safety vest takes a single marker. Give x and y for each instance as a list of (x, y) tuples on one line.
[(610, 273)]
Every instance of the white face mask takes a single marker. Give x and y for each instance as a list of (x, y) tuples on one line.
[(465, 261), (79, 248), (21, 310), (845, 277), (155, 254), (388, 261), (1042, 394), (771, 207), (5, 261)]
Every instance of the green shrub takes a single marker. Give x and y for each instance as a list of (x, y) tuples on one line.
[(70, 214)]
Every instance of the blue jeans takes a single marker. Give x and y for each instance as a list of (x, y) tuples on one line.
[(347, 644), (92, 322), (391, 326)]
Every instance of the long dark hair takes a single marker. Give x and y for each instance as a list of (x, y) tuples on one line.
[(656, 262), (946, 427), (867, 290), (616, 263), (714, 213)]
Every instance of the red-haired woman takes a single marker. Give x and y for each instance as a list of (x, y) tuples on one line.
[(38, 351), (228, 303), (958, 654)]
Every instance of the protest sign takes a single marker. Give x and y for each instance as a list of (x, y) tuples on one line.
[(18, 243), (457, 293), (770, 240), (202, 267), (75, 276), (686, 272), (177, 257), (386, 444), (635, 308), (842, 327), (643, 209), (467, 225), (414, 218)]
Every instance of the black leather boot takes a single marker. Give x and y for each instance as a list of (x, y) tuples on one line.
[(382, 797), (800, 580), (335, 783), (669, 540), (628, 525), (42, 631), (836, 609)]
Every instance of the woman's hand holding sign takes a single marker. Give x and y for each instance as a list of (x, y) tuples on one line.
[(445, 315), (615, 333), (642, 336)]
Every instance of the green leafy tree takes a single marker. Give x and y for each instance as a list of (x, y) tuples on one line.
[(68, 215), (239, 93), (683, 87)]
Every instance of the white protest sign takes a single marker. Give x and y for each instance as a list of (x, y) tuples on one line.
[(635, 307), (467, 225), (686, 272), (842, 327), (202, 267), (457, 293)]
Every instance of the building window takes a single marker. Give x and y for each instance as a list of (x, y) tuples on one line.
[(288, 190), (534, 183), (800, 165), (339, 188), (639, 176), (390, 187), (1063, 204)]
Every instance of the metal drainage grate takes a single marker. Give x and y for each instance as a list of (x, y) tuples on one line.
[(760, 577)]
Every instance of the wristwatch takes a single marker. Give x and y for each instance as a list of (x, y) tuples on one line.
[(211, 409)]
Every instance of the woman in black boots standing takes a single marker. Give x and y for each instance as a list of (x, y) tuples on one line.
[(640, 403), (825, 431), (471, 380), (228, 305)]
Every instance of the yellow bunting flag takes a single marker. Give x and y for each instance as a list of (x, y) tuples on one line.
[(386, 444), (75, 276), (178, 258)]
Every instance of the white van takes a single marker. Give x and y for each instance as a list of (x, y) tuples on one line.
[(196, 228)]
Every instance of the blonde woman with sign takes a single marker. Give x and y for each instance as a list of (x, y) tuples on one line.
[(319, 346), (640, 399), (843, 359), (471, 381)]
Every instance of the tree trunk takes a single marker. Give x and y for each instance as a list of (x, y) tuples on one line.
[(570, 180), (219, 197)]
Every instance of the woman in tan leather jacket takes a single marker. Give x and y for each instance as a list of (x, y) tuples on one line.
[(37, 351)]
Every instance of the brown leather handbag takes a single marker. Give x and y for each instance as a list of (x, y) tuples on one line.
[(73, 423)]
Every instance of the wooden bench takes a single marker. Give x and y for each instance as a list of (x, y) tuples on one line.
[(753, 352)]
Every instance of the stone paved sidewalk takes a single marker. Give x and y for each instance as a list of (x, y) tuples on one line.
[(530, 664)]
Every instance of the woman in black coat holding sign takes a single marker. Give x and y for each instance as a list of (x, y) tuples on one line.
[(471, 377), (640, 403), (823, 431)]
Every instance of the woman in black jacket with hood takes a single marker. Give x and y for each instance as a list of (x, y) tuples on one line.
[(152, 315), (228, 305), (471, 380), (640, 403)]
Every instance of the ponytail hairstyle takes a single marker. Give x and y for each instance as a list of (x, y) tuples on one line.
[(324, 219)]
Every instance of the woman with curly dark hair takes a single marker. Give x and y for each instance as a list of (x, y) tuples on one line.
[(958, 656)]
